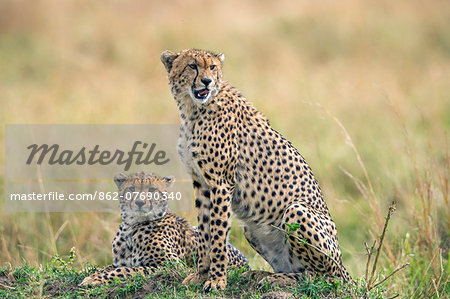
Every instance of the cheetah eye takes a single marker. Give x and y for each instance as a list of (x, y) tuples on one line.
[(152, 189), (131, 188), (193, 66), (212, 67)]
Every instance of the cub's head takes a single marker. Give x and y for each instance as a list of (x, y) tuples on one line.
[(142, 196), (194, 73)]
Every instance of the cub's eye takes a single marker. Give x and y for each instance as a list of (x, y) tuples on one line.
[(131, 189), (193, 66), (152, 189), (212, 67)]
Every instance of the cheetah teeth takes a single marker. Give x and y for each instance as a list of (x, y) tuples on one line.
[(203, 93)]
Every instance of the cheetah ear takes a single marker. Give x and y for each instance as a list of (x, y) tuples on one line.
[(167, 58), (169, 180), (119, 179), (221, 57)]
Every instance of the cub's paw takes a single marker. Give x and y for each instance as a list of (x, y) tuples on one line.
[(97, 278), (219, 283), (195, 278), (92, 280)]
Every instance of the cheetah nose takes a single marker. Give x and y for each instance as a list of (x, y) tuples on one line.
[(139, 203), (206, 81)]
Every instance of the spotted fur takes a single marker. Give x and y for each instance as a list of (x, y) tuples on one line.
[(150, 235), (239, 162)]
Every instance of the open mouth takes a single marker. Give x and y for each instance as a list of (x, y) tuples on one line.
[(200, 94)]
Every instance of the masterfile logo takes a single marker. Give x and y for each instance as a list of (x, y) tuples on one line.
[(52, 155)]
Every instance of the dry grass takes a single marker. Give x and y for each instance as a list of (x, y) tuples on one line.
[(380, 69)]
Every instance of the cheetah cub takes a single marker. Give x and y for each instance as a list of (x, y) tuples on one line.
[(150, 234), (239, 163)]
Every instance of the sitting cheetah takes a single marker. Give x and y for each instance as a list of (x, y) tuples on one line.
[(150, 234), (239, 162)]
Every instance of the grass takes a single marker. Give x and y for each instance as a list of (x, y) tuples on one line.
[(360, 88), (58, 278)]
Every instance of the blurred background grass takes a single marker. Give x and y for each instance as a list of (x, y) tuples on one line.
[(381, 68)]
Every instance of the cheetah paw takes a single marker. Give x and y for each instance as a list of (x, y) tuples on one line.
[(195, 278), (90, 281), (219, 283)]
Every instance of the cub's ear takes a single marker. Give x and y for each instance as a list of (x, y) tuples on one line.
[(221, 57), (167, 58), (119, 179), (169, 180)]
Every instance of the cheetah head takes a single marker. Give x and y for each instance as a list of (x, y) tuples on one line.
[(141, 196), (193, 73)]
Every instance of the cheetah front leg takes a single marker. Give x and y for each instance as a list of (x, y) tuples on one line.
[(202, 204), (220, 223), (214, 224), (121, 249)]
